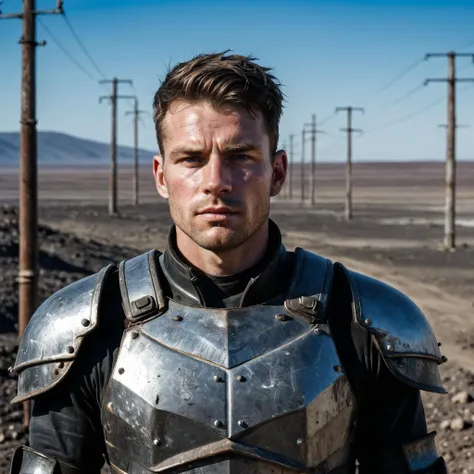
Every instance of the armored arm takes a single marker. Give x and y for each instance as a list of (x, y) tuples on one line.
[(401, 357), (58, 366)]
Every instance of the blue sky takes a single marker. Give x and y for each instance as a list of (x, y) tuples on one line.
[(326, 53)]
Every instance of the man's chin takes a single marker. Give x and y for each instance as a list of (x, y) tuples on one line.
[(220, 239)]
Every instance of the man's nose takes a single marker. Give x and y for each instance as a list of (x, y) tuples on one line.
[(217, 177)]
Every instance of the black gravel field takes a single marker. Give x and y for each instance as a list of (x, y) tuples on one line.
[(65, 258)]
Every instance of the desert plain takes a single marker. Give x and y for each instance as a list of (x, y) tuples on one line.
[(396, 234)]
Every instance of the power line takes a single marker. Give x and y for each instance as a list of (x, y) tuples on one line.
[(81, 44), (404, 97), (410, 68), (413, 114), (407, 117), (401, 75), (410, 93), (326, 119), (332, 145), (65, 51)]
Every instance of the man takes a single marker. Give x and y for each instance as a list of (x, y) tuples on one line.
[(226, 353)]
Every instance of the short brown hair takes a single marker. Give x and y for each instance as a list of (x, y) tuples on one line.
[(222, 79)]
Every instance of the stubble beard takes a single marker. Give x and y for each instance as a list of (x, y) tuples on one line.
[(226, 240)]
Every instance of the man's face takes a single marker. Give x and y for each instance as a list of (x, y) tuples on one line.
[(217, 173)]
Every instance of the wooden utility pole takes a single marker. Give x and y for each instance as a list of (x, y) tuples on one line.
[(28, 208), (313, 130), (450, 188), (303, 138), (113, 141), (283, 194), (313, 156), (290, 169), (136, 116), (349, 130)]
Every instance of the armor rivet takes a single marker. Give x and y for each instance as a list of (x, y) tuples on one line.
[(401, 363), (444, 359), (60, 365), (85, 322), (217, 378), (241, 378), (242, 423), (70, 349), (56, 371), (439, 344), (218, 424), (143, 302), (178, 318), (317, 331), (134, 334), (299, 441), (121, 370), (368, 322), (109, 406), (390, 347), (157, 441), (337, 368), (281, 317)]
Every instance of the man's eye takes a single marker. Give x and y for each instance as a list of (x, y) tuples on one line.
[(191, 159), (241, 157)]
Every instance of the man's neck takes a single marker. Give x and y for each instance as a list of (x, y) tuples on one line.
[(224, 263)]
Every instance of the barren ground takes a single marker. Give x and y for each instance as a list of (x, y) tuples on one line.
[(396, 234)]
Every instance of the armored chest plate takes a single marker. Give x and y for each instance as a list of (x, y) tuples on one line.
[(209, 390)]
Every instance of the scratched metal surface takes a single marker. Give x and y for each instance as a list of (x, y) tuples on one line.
[(171, 397)]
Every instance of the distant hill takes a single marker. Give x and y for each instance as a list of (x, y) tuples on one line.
[(64, 149)]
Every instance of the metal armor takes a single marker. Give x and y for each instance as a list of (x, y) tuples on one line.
[(257, 389)]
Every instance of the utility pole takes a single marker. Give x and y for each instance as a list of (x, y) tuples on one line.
[(313, 132), (28, 208), (303, 138), (283, 194), (450, 188), (290, 169), (136, 116), (113, 142), (349, 130)]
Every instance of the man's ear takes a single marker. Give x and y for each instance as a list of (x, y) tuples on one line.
[(159, 175), (280, 165)]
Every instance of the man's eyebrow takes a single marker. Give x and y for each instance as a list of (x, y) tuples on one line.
[(241, 147), (185, 150), (228, 148)]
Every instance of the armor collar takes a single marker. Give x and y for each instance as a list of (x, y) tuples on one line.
[(189, 285)]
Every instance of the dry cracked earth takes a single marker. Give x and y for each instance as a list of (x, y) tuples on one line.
[(68, 256)]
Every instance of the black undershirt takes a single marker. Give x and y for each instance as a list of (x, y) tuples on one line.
[(272, 272)]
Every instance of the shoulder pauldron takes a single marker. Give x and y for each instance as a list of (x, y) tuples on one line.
[(55, 333), (400, 329)]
